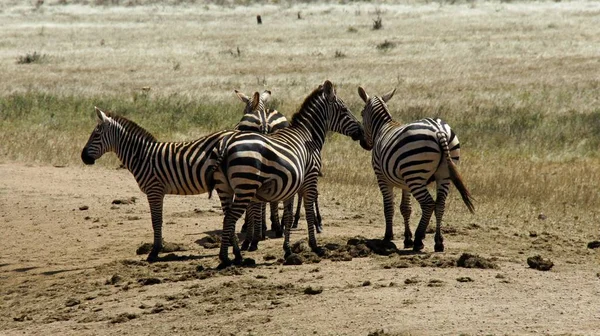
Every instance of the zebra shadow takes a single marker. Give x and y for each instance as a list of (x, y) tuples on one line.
[(187, 257)]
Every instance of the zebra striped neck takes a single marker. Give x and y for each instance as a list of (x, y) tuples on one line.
[(379, 120), (310, 120), (130, 142)]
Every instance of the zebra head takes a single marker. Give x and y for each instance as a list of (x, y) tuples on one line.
[(99, 141), (339, 118), (374, 113), (255, 117)]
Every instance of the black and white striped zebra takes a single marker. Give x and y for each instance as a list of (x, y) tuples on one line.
[(159, 168), (411, 156), (275, 167), (258, 119)]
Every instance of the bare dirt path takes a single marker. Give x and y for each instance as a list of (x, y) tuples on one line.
[(75, 272)]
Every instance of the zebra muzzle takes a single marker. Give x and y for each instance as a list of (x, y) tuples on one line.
[(86, 158)]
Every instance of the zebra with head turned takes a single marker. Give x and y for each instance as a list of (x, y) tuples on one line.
[(412, 156), (275, 167), (159, 168), (258, 119)]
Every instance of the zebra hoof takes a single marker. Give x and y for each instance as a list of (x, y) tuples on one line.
[(224, 264), (439, 247), (319, 228), (287, 253), (153, 256), (253, 247), (245, 245), (238, 260), (318, 251), (408, 243), (388, 237), (418, 246)]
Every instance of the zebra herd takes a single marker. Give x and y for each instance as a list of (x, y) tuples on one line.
[(265, 159)]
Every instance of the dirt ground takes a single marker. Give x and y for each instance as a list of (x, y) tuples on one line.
[(68, 271)]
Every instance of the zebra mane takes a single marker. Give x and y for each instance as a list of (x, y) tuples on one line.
[(132, 127), (310, 98)]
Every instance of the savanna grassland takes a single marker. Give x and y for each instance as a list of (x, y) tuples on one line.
[(517, 81)]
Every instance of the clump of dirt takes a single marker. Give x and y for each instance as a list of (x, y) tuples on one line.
[(468, 260), (294, 259), (593, 244), (464, 279), (210, 242), (310, 290), (167, 247), (377, 246), (539, 263), (115, 279), (421, 260), (123, 318), (248, 262), (300, 247), (149, 281), (435, 283)]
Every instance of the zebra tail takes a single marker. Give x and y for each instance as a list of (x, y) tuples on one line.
[(457, 180), (220, 150)]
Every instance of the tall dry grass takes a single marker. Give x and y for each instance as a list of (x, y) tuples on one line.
[(517, 81)]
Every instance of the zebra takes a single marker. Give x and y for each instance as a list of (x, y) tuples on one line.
[(275, 167), (412, 156), (258, 119), (159, 168), (267, 121)]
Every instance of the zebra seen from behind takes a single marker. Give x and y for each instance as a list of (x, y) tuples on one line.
[(411, 156), (275, 167), (258, 119), (159, 168)]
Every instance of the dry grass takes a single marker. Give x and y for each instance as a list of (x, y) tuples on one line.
[(517, 81)]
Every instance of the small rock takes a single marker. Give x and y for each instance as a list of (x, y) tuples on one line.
[(115, 279), (248, 262), (132, 218), (313, 290), (541, 216), (435, 283), (129, 200), (366, 283), (199, 268), (269, 257), (72, 302), (84, 207), (593, 244), (533, 234), (539, 263), (464, 279), (410, 281)]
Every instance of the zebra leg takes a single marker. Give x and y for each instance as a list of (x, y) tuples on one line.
[(236, 210), (297, 215), (427, 206), (156, 209), (387, 191), (405, 210), (288, 213), (263, 220), (440, 205), (310, 219), (319, 222), (244, 228), (257, 216), (251, 217), (275, 224)]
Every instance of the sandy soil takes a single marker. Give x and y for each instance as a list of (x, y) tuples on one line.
[(75, 272)]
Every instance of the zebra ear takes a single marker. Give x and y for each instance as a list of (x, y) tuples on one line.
[(388, 95), (329, 90), (242, 96), (363, 94), (265, 96), (255, 100), (101, 116)]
